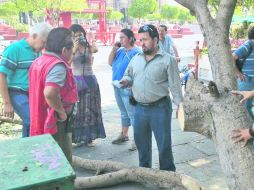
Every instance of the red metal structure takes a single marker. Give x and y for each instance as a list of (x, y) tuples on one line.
[(101, 34), (65, 17), (102, 13), (196, 60)]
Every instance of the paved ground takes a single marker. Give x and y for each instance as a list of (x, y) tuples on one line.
[(194, 154)]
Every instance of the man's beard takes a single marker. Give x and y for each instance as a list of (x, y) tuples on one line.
[(148, 51)]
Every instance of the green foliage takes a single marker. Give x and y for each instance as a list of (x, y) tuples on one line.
[(169, 12), (240, 3), (82, 16), (154, 16), (8, 9), (239, 31), (141, 8), (251, 25), (67, 5), (203, 51), (7, 129), (184, 15), (238, 11), (21, 27), (114, 15), (245, 3), (173, 13)]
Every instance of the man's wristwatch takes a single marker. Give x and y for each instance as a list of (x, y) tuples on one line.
[(251, 132)]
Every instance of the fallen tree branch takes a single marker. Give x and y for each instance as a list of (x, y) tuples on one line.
[(122, 173), (104, 166), (104, 180), (9, 120)]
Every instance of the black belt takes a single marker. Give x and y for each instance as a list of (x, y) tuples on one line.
[(154, 103), (18, 90)]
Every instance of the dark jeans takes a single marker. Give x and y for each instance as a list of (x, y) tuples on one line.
[(156, 119), (64, 139), (20, 103)]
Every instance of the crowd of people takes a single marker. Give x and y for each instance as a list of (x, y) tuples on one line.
[(48, 80)]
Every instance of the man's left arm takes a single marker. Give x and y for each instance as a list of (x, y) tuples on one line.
[(174, 81), (55, 80), (178, 59), (174, 49)]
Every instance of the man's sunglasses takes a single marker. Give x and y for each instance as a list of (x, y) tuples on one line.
[(145, 28)]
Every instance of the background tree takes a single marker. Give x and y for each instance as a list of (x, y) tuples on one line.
[(184, 16), (154, 17), (114, 15), (11, 9), (169, 12), (141, 8), (213, 111), (176, 13)]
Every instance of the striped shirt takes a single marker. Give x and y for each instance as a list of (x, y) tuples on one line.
[(246, 51), (16, 61)]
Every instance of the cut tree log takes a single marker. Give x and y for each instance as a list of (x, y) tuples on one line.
[(121, 173), (8, 120)]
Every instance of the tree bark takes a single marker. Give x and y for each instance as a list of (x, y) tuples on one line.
[(8, 120), (216, 118), (122, 173), (215, 112)]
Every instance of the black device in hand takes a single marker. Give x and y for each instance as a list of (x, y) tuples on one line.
[(82, 41), (118, 44)]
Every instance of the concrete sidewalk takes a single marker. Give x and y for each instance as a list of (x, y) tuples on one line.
[(194, 154)]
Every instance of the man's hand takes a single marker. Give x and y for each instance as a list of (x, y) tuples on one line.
[(241, 135), (8, 110), (61, 116), (124, 82), (246, 95)]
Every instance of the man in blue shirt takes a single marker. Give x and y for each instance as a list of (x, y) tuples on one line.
[(166, 42), (14, 67), (246, 75)]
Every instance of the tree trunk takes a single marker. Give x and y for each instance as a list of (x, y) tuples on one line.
[(122, 173), (9, 120), (216, 118), (213, 111)]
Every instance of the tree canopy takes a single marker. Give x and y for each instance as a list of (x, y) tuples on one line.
[(114, 15), (176, 13), (240, 3), (141, 8)]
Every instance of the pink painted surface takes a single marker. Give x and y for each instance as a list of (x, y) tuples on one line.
[(23, 35), (10, 37), (48, 156)]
